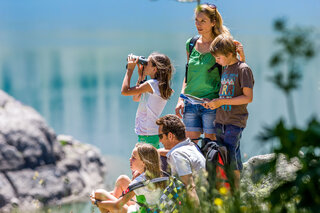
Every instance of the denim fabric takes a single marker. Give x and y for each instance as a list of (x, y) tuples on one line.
[(229, 136), (199, 119)]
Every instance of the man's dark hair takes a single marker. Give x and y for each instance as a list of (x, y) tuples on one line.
[(173, 124)]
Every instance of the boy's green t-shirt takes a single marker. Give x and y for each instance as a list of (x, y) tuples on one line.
[(200, 82)]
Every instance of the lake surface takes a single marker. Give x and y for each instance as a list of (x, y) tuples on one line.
[(77, 89), (69, 65)]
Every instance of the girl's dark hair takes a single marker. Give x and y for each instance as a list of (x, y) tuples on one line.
[(151, 159), (163, 74)]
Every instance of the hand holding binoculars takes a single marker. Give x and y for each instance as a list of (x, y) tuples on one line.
[(141, 59)]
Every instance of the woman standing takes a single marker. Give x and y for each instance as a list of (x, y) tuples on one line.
[(202, 76)]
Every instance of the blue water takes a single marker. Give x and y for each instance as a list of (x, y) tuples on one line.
[(67, 60)]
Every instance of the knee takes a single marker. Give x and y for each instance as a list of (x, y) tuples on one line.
[(123, 180)]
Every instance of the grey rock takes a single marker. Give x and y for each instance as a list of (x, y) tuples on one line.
[(37, 167), (26, 133), (260, 186), (6, 192)]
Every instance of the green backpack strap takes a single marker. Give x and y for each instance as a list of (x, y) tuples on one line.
[(192, 44)]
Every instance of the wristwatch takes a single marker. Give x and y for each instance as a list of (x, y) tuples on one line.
[(141, 82)]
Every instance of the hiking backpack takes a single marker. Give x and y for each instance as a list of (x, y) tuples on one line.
[(217, 162), (192, 44)]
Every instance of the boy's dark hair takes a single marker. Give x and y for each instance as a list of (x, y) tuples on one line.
[(172, 123), (223, 45)]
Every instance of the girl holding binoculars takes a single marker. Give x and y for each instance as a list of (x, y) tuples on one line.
[(152, 94)]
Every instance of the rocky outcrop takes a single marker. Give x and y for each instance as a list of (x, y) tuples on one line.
[(256, 185), (37, 167)]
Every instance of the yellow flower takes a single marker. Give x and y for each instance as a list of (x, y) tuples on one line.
[(218, 202), (41, 181), (36, 175), (223, 190), (243, 209)]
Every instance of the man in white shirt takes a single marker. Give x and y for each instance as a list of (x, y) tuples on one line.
[(184, 158)]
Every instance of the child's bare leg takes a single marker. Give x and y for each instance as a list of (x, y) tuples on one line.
[(101, 194), (104, 210), (193, 135), (237, 179), (124, 209), (121, 185), (211, 136)]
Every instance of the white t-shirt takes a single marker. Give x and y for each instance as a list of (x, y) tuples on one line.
[(184, 159), (149, 110), (152, 196)]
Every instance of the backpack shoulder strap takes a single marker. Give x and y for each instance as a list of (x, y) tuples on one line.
[(191, 45), (196, 145), (216, 65), (140, 184), (193, 42)]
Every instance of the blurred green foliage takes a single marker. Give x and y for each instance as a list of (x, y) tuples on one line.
[(302, 194), (296, 46)]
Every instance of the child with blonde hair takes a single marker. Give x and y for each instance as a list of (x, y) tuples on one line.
[(145, 165), (235, 93)]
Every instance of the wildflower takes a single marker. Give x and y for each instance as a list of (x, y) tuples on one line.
[(223, 190), (243, 209), (41, 181), (218, 202), (36, 203), (36, 175)]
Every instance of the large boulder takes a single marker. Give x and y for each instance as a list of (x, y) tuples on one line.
[(257, 185), (37, 167), (26, 141)]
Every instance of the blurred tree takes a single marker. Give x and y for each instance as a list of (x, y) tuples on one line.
[(303, 193), (296, 48)]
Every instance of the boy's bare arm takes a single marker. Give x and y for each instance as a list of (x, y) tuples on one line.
[(242, 99)]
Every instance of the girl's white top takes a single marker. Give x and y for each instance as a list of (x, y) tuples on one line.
[(149, 110), (152, 196)]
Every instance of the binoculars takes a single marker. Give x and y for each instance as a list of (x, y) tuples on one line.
[(141, 59)]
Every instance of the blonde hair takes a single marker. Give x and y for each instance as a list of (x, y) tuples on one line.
[(163, 74), (213, 14), (223, 45), (151, 159)]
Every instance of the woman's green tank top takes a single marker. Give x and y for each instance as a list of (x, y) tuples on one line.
[(200, 82)]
